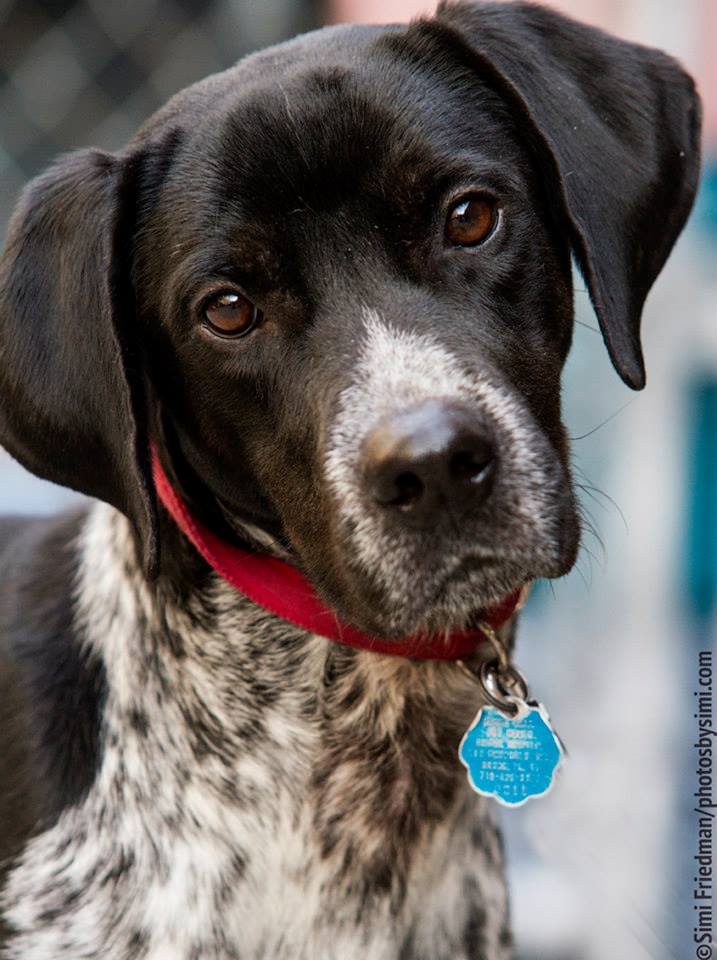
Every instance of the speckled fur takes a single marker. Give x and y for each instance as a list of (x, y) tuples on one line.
[(262, 793)]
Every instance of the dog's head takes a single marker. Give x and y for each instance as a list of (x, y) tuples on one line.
[(333, 284)]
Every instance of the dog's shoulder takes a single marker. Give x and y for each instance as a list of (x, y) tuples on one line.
[(51, 689)]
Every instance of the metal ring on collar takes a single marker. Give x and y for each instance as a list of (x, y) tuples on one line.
[(504, 688)]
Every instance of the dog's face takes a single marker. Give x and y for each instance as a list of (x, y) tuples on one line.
[(334, 283), (393, 409)]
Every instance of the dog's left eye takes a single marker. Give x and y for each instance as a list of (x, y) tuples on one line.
[(471, 221), (229, 314)]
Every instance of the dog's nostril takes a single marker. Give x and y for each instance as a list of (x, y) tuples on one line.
[(409, 490), (423, 461), (471, 465)]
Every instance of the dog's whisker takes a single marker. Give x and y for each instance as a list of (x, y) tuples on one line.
[(595, 492), (603, 423)]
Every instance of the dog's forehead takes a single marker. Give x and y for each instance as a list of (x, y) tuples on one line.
[(338, 109), (343, 140)]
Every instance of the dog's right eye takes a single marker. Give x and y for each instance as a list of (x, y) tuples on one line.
[(471, 221), (229, 314)]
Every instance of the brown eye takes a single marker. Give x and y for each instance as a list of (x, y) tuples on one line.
[(230, 314), (471, 221)]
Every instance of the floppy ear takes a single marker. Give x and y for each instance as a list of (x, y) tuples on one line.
[(616, 129), (71, 391)]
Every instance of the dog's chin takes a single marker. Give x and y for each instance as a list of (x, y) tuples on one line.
[(430, 602), (460, 601)]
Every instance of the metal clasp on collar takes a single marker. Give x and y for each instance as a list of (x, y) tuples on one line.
[(502, 684)]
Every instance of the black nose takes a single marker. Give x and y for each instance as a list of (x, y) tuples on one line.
[(434, 455)]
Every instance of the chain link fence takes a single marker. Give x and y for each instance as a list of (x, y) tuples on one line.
[(76, 74)]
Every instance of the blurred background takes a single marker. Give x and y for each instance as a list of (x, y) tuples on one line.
[(602, 868)]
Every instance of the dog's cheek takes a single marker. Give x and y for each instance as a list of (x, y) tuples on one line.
[(290, 470), (323, 551)]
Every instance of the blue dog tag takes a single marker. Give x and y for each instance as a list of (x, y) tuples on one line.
[(511, 758)]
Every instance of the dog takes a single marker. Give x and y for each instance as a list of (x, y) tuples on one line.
[(325, 298)]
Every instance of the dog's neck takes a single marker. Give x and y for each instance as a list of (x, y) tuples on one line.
[(309, 792), (203, 649)]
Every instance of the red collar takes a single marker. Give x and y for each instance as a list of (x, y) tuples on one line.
[(281, 589)]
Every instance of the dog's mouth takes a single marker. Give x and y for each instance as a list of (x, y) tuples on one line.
[(468, 595), (393, 583), (427, 600)]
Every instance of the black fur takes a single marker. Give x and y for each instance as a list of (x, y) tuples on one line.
[(60, 684)]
